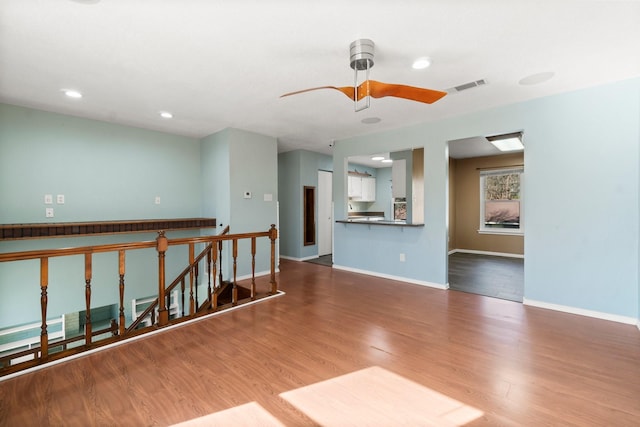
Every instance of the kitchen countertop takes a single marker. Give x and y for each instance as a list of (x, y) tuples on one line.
[(366, 221), (374, 218)]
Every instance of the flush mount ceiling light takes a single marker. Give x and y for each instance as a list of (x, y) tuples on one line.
[(71, 93), (387, 161), (166, 115), (535, 79), (507, 142), (421, 63), (377, 158), (371, 120)]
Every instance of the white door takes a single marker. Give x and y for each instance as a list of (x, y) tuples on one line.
[(325, 214)]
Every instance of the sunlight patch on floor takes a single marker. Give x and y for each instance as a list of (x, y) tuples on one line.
[(377, 397), (247, 415), (369, 397)]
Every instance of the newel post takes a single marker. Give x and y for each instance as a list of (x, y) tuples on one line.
[(44, 282), (273, 235), (162, 244)]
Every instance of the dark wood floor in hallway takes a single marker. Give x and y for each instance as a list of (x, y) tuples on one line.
[(516, 365), (492, 276)]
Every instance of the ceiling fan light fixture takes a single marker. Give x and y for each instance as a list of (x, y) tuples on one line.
[(361, 54), (361, 60), (421, 63), (507, 142)]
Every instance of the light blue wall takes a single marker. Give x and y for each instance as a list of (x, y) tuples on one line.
[(216, 177), (253, 161), (234, 161), (105, 171), (290, 203), (297, 169), (581, 182), (383, 193), (113, 172)]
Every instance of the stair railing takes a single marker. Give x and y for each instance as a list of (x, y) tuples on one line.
[(211, 255)]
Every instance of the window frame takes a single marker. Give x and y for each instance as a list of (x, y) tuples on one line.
[(482, 229)]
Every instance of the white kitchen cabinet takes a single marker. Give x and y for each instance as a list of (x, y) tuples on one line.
[(354, 185), (368, 189), (361, 188)]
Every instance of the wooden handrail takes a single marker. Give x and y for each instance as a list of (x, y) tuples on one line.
[(210, 255)]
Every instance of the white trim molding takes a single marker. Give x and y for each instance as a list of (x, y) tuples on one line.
[(259, 274), (471, 251), (290, 258), (582, 312), (391, 277)]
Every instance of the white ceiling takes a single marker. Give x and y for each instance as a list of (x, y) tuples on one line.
[(224, 63)]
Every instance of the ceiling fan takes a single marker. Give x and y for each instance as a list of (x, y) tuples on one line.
[(362, 52)]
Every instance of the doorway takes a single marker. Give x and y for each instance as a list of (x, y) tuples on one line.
[(325, 213), (486, 250)]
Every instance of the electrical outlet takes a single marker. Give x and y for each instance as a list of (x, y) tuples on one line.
[(60, 199), (157, 200), (247, 194), (48, 212), (402, 258)]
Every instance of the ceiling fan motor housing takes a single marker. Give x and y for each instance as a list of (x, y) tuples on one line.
[(362, 52)]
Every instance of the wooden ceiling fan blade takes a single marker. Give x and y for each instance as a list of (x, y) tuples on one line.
[(347, 90), (379, 90)]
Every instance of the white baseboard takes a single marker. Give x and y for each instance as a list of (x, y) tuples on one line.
[(388, 276), (582, 312), (471, 251), (299, 259), (259, 274)]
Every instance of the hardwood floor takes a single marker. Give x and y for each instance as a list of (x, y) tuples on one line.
[(518, 365), (492, 276)]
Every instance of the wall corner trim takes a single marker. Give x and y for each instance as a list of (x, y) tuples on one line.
[(582, 312)]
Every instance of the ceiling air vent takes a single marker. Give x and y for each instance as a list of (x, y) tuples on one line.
[(467, 86)]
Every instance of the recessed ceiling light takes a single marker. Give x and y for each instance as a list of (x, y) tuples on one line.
[(72, 93), (507, 142), (376, 158), (387, 161), (166, 115), (371, 120), (421, 63), (538, 78)]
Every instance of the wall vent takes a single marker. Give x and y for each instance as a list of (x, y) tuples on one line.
[(467, 86)]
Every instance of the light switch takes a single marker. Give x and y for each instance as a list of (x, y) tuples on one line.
[(157, 200), (48, 199)]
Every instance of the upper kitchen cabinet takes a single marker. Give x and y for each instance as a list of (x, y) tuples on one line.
[(361, 187)]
